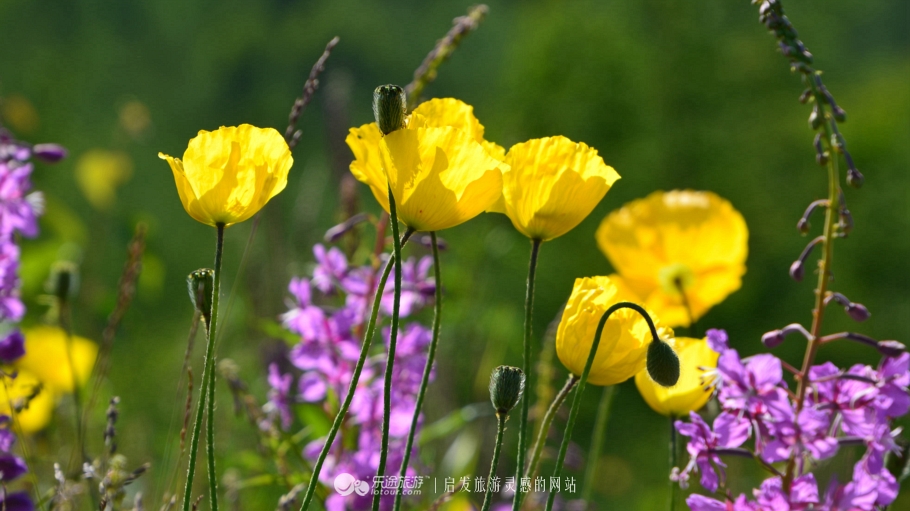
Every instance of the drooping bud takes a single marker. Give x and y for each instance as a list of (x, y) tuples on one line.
[(507, 384), (64, 280), (815, 118), (201, 286), (803, 224), (773, 339), (804, 97), (797, 270), (857, 311), (663, 363), (389, 108), (839, 114), (821, 156), (50, 153), (336, 232), (855, 178), (891, 348)]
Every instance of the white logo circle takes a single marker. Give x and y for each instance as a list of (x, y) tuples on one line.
[(345, 484)]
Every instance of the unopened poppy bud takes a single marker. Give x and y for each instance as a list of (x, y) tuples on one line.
[(773, 339), (663, 363), (507, 383), (50, 153), (891, 348), (201, 285), (389, 108), (64, 280), (857, 311)]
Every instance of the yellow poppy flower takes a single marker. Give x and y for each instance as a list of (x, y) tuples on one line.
[(441, 170), (623, 348), (15, 391), (229, 174), (551, 185), (685, 238), (689, 394), (47, 359)]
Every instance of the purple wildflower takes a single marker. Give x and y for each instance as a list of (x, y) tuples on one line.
[(729, 431)]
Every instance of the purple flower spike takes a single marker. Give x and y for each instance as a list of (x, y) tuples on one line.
[(729, 431)]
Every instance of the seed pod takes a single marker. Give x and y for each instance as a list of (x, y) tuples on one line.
[(506, 386), (389, 108), (201, 285), (663, 363)]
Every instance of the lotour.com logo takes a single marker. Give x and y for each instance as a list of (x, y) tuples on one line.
[(346, 484)]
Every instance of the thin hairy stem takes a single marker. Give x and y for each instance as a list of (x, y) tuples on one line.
[(597, 440), (206, 394), (544, 431), (427, 370), (500, 429), (576, 401), (355, 379), (526, 367)]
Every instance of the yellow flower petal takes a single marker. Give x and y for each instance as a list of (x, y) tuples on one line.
[(623, 348), (690, 393), (696, 238), (228, 175), (552, 185), (440, 176), (367, 164), (46, 357), (17, 391)]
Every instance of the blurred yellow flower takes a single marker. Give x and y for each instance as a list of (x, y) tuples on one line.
[(47, 359), (15, 392), (682, 238), (99, 173), (228, 175), (20, 114), (551, 185), (689, 394), (441, 170), (623, 348)]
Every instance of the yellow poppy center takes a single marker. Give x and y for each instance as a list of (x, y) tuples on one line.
[(676, 277)]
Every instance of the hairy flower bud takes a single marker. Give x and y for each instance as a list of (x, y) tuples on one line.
[(64, 280), (201, 285), (663, 363), (507, 383), (389, 108)]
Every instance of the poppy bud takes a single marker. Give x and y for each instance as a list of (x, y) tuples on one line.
[(507, 383), (50, 153), (201, 285), (663, 363), (64, 280), (389, 107)]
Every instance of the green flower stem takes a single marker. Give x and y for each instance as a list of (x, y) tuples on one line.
[(674, 487), (207, 394), (500, 429), (597, 440), (427, 370), (547, 422), (576, 401), (393, 342), (526, 367), (355, 378)]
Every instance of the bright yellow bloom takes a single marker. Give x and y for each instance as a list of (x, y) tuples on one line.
[(16, 391), (689, 394), (228, 175), (623, 348), (441, 170), (688, 238), (551, 185), (47, 359)]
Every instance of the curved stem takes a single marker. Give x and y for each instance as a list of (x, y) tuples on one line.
[(393, 342), (207, 393), (597, 440), (526, 367), (427, 370), (576, 401), (355, 379), (500, 429), (547, 422)]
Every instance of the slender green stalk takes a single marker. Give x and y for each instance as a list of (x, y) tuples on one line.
[(576, 401), (597, 440), (206, 393), (427, 370), (355, 379), (674, 487), (77, 399), (393, 343), (526, 367), (500, 429), (544, 431)]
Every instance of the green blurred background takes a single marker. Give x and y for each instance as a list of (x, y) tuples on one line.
[(672, 94)]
